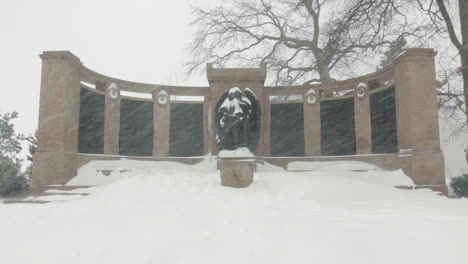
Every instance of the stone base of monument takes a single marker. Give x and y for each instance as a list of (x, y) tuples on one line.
[(236, 172)]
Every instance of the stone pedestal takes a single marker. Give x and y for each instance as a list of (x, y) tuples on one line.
[(235, 172)]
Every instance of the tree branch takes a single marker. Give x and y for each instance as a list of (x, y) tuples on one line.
[(448, 23)]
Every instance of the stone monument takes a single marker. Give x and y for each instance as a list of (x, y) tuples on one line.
[(238, 115), (388, 118)]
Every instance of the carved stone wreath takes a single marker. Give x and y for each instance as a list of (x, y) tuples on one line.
[(311, 97), (361, 90), (163, 97), (113, 91)]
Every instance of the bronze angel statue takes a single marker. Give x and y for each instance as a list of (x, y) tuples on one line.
[(238, 119)]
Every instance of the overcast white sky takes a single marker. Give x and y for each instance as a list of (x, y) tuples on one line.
[(138, 40)]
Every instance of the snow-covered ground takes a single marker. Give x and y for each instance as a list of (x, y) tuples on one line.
[(164, 212), (453, 148)]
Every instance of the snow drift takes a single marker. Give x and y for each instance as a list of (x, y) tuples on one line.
[(164, 212)]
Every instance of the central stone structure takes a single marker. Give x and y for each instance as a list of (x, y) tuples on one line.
[(238, 121)]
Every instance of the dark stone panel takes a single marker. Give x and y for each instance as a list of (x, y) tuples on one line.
[(186, 131), (91, 131), (383, 121), (136, 128), (287, 130), (338, 134)]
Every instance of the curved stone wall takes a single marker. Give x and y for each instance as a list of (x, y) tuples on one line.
[(389, 115)]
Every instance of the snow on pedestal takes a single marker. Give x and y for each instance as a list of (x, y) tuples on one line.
[(239, 152)]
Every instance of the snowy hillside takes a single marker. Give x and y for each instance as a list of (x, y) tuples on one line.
[(170, 213)]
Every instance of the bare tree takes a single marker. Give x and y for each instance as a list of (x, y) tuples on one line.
[(302, 41), (442, 19), (392, 52)]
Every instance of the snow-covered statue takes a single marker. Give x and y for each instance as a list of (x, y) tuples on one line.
[(238, 120)]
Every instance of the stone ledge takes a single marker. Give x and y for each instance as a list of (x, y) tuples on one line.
[(443, 189), (235, 74), (25, 202), (59, 55)]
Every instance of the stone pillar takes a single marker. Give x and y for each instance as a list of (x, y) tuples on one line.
[(266, 124), (417, 116), (312, 128), (112, 120), (162, 122), (206, 125), (59, 110), (222, 79), (362, 120)]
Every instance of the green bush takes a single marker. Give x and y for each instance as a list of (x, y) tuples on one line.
[(32, 139), (459, 185), (11, 179)]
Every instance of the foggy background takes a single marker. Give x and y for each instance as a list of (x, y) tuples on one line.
[(140, 40)]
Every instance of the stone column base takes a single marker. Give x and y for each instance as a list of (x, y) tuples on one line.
[(427, 168), (52, 168), (442, 189), (237, 173)]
